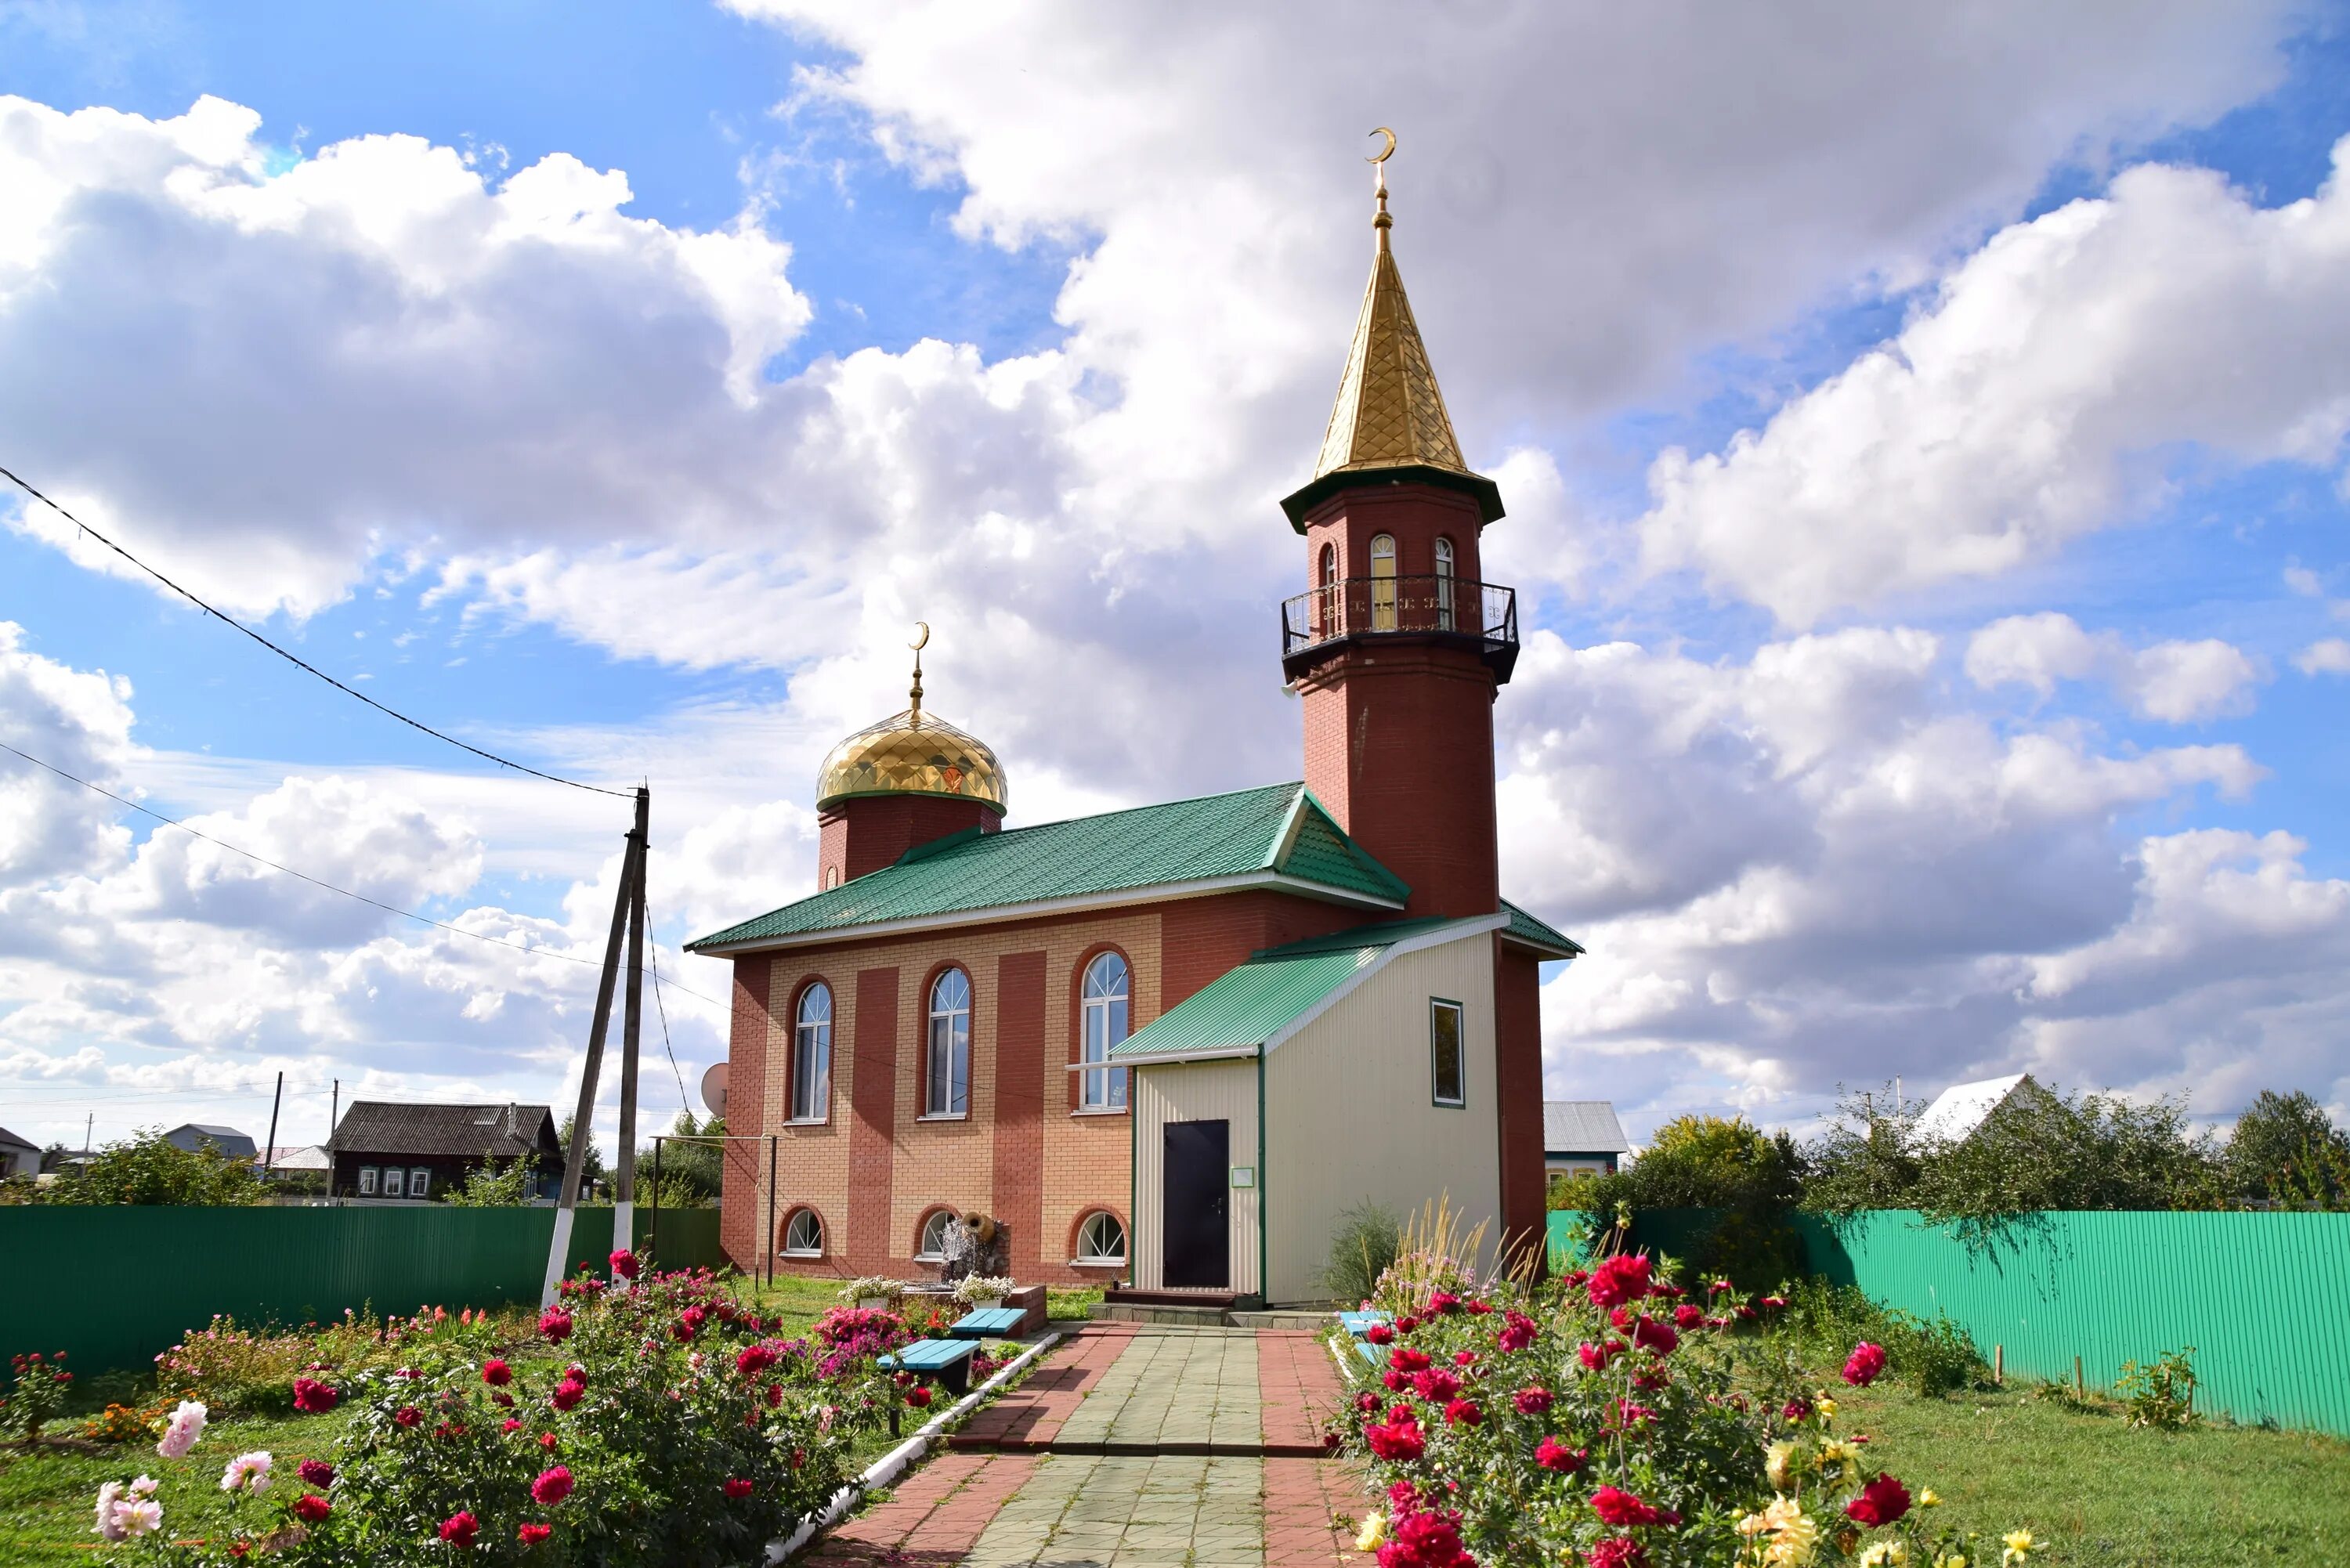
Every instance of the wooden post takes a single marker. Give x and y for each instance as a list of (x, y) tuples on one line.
[(269, 1155), (771, 1211), (652, 1236), (624, 1173), (583, 1121), (2080, 1389), (1999, 1365)]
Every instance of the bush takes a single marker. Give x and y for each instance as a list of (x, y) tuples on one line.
[(1609, 1420), (148, 1170), (1362, 1248), (2285, 1149), (1753, 1179), (496, 1185), (2161, 1394), (1931, 1358)]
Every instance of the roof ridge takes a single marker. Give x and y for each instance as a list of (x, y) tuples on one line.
[(1153, 805)]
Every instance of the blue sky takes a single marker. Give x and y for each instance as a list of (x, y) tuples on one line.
[(995, 194)]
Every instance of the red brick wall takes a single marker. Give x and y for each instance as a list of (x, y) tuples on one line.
[(1414, 516), (1020, 1055), (869, 832), (1517, 1050), (741, 1172), (873, 1089), (1200, 939)]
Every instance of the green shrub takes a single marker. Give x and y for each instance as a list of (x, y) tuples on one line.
[(2161, 1394), (496, 1185), (149, 1170), (1929, 1359), (1362, 1248)]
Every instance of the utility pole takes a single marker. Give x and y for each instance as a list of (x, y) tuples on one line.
[(624, 906), (270, 1153), (89, 1126), (624, 1172)]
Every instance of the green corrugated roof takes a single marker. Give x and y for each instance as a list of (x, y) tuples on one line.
[(1527, 928), (1151, 845), (1248, 1006)]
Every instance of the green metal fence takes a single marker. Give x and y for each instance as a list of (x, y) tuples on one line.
[(114, 1285), (2264, 1298)]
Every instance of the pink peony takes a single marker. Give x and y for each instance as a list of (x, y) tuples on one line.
[(1444, 1301), (552, 1486), (1407, 1360), (566, 1394), (179, 1435), (1619, 1279), (754, 1360), (1616, 1552), (1619, 1508), (1651, 1335), (1436, 1385), (1380, 1333), (1688, 1315), (407, 1415), (1596, 1358), (1518, 1330), (919, 1399), (1397, 1440), (1867, 1360)]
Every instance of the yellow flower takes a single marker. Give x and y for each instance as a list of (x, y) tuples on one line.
[(1925, 1498), (1374, 1532), (1783, 1511), (1955, 1560), (1753, 1524), (1886, 1555), (1796, 1541), (2019, 1548), (1838, 1459), (1779, 1464)]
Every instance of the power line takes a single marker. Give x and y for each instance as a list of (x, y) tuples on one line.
[(682, 1102), (315, 882), (295, 659)]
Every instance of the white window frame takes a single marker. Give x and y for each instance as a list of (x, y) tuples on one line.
[(946, 1079), (395, 1181), (926, 1251), (1438, 1006), (792, 1233), (367, 1180), (1106, 1017), (812, 1056), (1444, 572), (420, 1180), (1089, 1232), (1383, 582)]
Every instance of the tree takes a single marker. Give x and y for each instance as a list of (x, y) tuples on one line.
[(1866, 1156), (2286, 1148), (690, 1171), (1726, 1163), (146, 1169), (496, 1185), (593, 1169)]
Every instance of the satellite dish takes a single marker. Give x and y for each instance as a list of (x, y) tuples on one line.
[(714, 1090)]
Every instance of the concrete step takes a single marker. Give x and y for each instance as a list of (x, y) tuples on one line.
[(1170, 1316), (1307, 1318)]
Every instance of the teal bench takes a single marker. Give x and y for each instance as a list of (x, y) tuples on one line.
[(945, 1361), (990, 1323), (1359, 1323)]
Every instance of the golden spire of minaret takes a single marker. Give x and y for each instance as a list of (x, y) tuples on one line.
[(914, 696), (1389, 413)]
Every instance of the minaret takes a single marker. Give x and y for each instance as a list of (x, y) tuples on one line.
[(1398, 645)]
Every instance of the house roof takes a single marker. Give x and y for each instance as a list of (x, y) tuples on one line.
[(1533, 932), (1583, 1126), (301, 1157), (1258, 1004), (1958, 1111), (382, 1127), (194, 1137), (1277, 836), (12, 1141)]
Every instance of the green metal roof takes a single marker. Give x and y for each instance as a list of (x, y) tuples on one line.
[(1214, 837), (1539, 933)]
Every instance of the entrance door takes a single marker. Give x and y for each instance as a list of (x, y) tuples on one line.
[(1196, 1158)]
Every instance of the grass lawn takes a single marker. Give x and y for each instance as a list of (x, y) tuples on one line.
[(2107, 1495)]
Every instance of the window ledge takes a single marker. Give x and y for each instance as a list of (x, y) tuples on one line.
[(930, 1256), (808, 1121), (1101, 1111), (946, 1116), (787, 1252), (1096, 1262)]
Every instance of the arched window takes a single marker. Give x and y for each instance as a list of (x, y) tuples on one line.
[(950, 1048), (1325, 604), (812, 1056), (931, 1246), (1106, 994), (803, 1235), (831, 877), (1383, 583), (1444, 617), (1101, 1239)]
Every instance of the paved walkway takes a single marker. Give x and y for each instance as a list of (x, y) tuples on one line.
[(1132, 1448)]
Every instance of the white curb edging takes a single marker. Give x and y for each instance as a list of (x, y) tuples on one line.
[(894, 1463)]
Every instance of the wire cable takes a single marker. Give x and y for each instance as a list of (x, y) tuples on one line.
[(295, 659), (315, 882)]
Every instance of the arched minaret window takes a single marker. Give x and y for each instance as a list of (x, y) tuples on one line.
[(1325, 604), (1383, 583), (812, 1056), (948, 1076), (1444, 617)]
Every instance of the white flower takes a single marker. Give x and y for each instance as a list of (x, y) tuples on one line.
[(144, 1487), (109, 1497), (137, 1519), (186, 1425), (248, 1471)]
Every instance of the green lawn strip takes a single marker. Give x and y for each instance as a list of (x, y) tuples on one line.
[(2102, 1493)]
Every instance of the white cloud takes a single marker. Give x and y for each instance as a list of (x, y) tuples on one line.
[(2029, 402), (2179, 682), (2327, 656)]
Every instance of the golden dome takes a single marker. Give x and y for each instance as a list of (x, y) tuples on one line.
[(913, 752)]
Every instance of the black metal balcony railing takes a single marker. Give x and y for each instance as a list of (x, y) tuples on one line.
[(1483, 615)]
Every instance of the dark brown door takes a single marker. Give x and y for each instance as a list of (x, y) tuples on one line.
[(1197, 1162)]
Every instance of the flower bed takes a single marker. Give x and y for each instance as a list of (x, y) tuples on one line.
[(1615, 1420), (658, 1424)]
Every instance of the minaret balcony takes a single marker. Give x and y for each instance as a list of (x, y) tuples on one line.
[(1483, 616)]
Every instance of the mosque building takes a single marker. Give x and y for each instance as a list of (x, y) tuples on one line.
[(1167, 1048)]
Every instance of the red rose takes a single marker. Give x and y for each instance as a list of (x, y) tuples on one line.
[(1480, 1308), (567, 1394), (546, 1441), (1380, 1333), (1436, 1385), (1396, 1381), (510, 1425), (624, 1263), (1619, 1279), (1596, 1358), (1532, 1401), (496, 1374), (316, 1472), (1795, 1409), (459, 1528), (1366, 1402), (1689, 1316), (1396, 1440), (738, 1487), (552, 1486), (1444, 1301), (1407, 1360), (310, 1508), (407, 1415), (1464, 1359), (1554, 1455), (1518, 1330), (312, 1397), (1462, 1413), (754, 1360), (1620, 1507), (531, 1534), (1867, 1360), (1616, 1552), (1651, 1334), (556, 1324), (919, 1399), (1882, 1501)]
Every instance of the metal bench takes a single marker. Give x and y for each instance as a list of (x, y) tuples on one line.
[(990, 1323), (1359, 1323), (946, 1361)]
